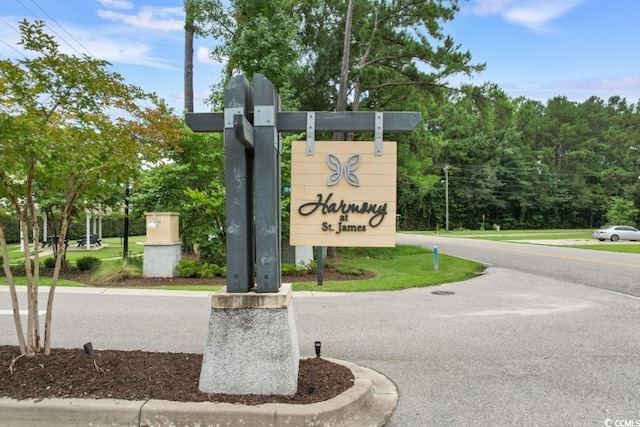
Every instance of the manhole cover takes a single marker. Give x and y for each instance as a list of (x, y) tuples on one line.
[(443, 293)]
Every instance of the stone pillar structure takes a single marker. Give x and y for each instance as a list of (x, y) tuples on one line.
[(252, 347), (162, 249)]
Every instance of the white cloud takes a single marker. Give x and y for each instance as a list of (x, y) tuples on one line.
[(203, 56), (533, 14), (117, 4), (125, 51), (133, 45), (536, 15), (153, 18), (488, 7), (619, 83)]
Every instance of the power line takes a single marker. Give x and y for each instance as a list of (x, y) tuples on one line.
[(50, 28), (63, 29), (144, 100), (7, 44)]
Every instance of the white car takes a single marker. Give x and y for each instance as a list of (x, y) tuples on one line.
[(616, 232)]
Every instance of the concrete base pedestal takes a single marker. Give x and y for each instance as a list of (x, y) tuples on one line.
[(252, 346), (160, 260), (304, 255)]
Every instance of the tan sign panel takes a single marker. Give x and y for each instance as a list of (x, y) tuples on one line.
[(343, 195)]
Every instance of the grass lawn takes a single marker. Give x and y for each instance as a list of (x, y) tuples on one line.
[(44, 281), (611, 247), (111, 249), (395, 268), (512, 234)]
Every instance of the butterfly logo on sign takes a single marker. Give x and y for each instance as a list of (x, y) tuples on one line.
[(346, 169)]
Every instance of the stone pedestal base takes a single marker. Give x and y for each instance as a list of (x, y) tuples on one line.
[(304, 255), (160, 260), (252, 347)]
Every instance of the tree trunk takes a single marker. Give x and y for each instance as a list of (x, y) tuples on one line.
[(343, 89), (188, 69), (12, 290), (64, 227), (35, 229), (341, 104)]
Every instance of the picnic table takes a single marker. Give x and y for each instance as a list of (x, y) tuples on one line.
[(93, 240), (53, 241)]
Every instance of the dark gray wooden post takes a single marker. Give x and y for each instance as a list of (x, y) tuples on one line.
[(239, 188), (267, 181)]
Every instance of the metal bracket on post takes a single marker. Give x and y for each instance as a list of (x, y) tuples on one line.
[(228, 116), (378, 131), (264, 115), (311, 132)]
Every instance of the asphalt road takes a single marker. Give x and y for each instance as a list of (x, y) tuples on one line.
[(614, 271), (520, 345)]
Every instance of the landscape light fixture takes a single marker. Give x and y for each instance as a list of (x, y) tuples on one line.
[(88, 348), (318, 346)]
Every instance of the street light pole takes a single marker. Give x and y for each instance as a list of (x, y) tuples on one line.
[(125, 246), (446, 168)]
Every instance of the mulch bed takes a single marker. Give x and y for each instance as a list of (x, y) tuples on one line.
[(141, 375), (329, 274)]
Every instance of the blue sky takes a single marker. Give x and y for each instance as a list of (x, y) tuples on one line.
[(533, 48)]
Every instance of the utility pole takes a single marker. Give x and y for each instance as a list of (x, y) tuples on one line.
[(446, 168)]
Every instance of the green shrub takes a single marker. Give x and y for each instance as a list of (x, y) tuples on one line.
[(22, 265), (312, 267), (115, 273), (136, 261), (87, 263), (50, 262), (288, 269), (293, 270), (210, 271), (188, 268)]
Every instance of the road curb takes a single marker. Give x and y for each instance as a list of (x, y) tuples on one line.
[(370, 402)]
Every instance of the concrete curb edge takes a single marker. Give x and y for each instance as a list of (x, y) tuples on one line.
[(370, 402)]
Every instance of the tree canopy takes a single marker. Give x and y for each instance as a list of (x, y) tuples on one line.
[(69, 128), (515, 162)]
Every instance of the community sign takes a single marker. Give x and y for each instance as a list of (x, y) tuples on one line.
[(343, 194)]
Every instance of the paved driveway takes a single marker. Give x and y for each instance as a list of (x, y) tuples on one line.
[(505, 349)]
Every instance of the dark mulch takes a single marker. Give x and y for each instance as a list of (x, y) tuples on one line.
[(329, 274), (140, 375)]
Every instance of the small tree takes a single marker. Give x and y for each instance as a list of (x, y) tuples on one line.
[(68, 127), (622, 211)]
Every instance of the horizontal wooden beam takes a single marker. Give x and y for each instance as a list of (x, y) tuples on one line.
[(243, 130), (296, 121)]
